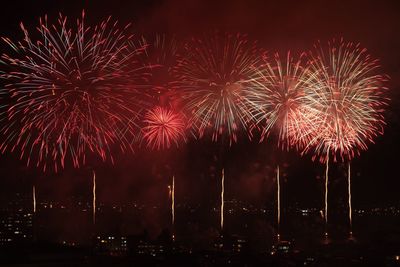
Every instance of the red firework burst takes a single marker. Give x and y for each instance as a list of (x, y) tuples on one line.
[(71, 91), (345, 101), (164, 128)]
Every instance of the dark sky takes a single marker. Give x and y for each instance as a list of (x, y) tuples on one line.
[(278, 25)]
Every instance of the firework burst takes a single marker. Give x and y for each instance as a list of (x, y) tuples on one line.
[(210, 76), (164, 128), (345, 98), (275, 96), (70, 91)]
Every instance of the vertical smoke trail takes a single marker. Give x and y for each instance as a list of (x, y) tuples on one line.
[(278, 198), (349, 193), (94, 198), (222, 199), (326, 194), (34, 199)]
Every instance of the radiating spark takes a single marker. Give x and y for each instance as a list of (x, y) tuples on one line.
[(72, 90), (210, 78), (162, 54), (275, 96), (345, 92), (164, 128)]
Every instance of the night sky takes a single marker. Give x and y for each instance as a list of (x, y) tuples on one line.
[(278, 26)]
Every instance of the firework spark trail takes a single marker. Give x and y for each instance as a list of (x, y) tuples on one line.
[(94, 197), (164, 128), (349, 198), (278, 198), (166, 50), (173, 206), (71, 91), (222, 198), (173, 201), (326, 194), (34, 198), (210, 79)]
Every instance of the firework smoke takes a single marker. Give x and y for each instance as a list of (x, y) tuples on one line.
[(344, 104), (275, 96)]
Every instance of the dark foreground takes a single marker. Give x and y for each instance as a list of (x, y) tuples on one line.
[(376, 242), (349, 253)]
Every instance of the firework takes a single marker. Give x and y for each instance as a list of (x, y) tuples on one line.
[(345, 99), (164, 128), (210, 78), (275, 96), (346, 93), (70, 91)]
